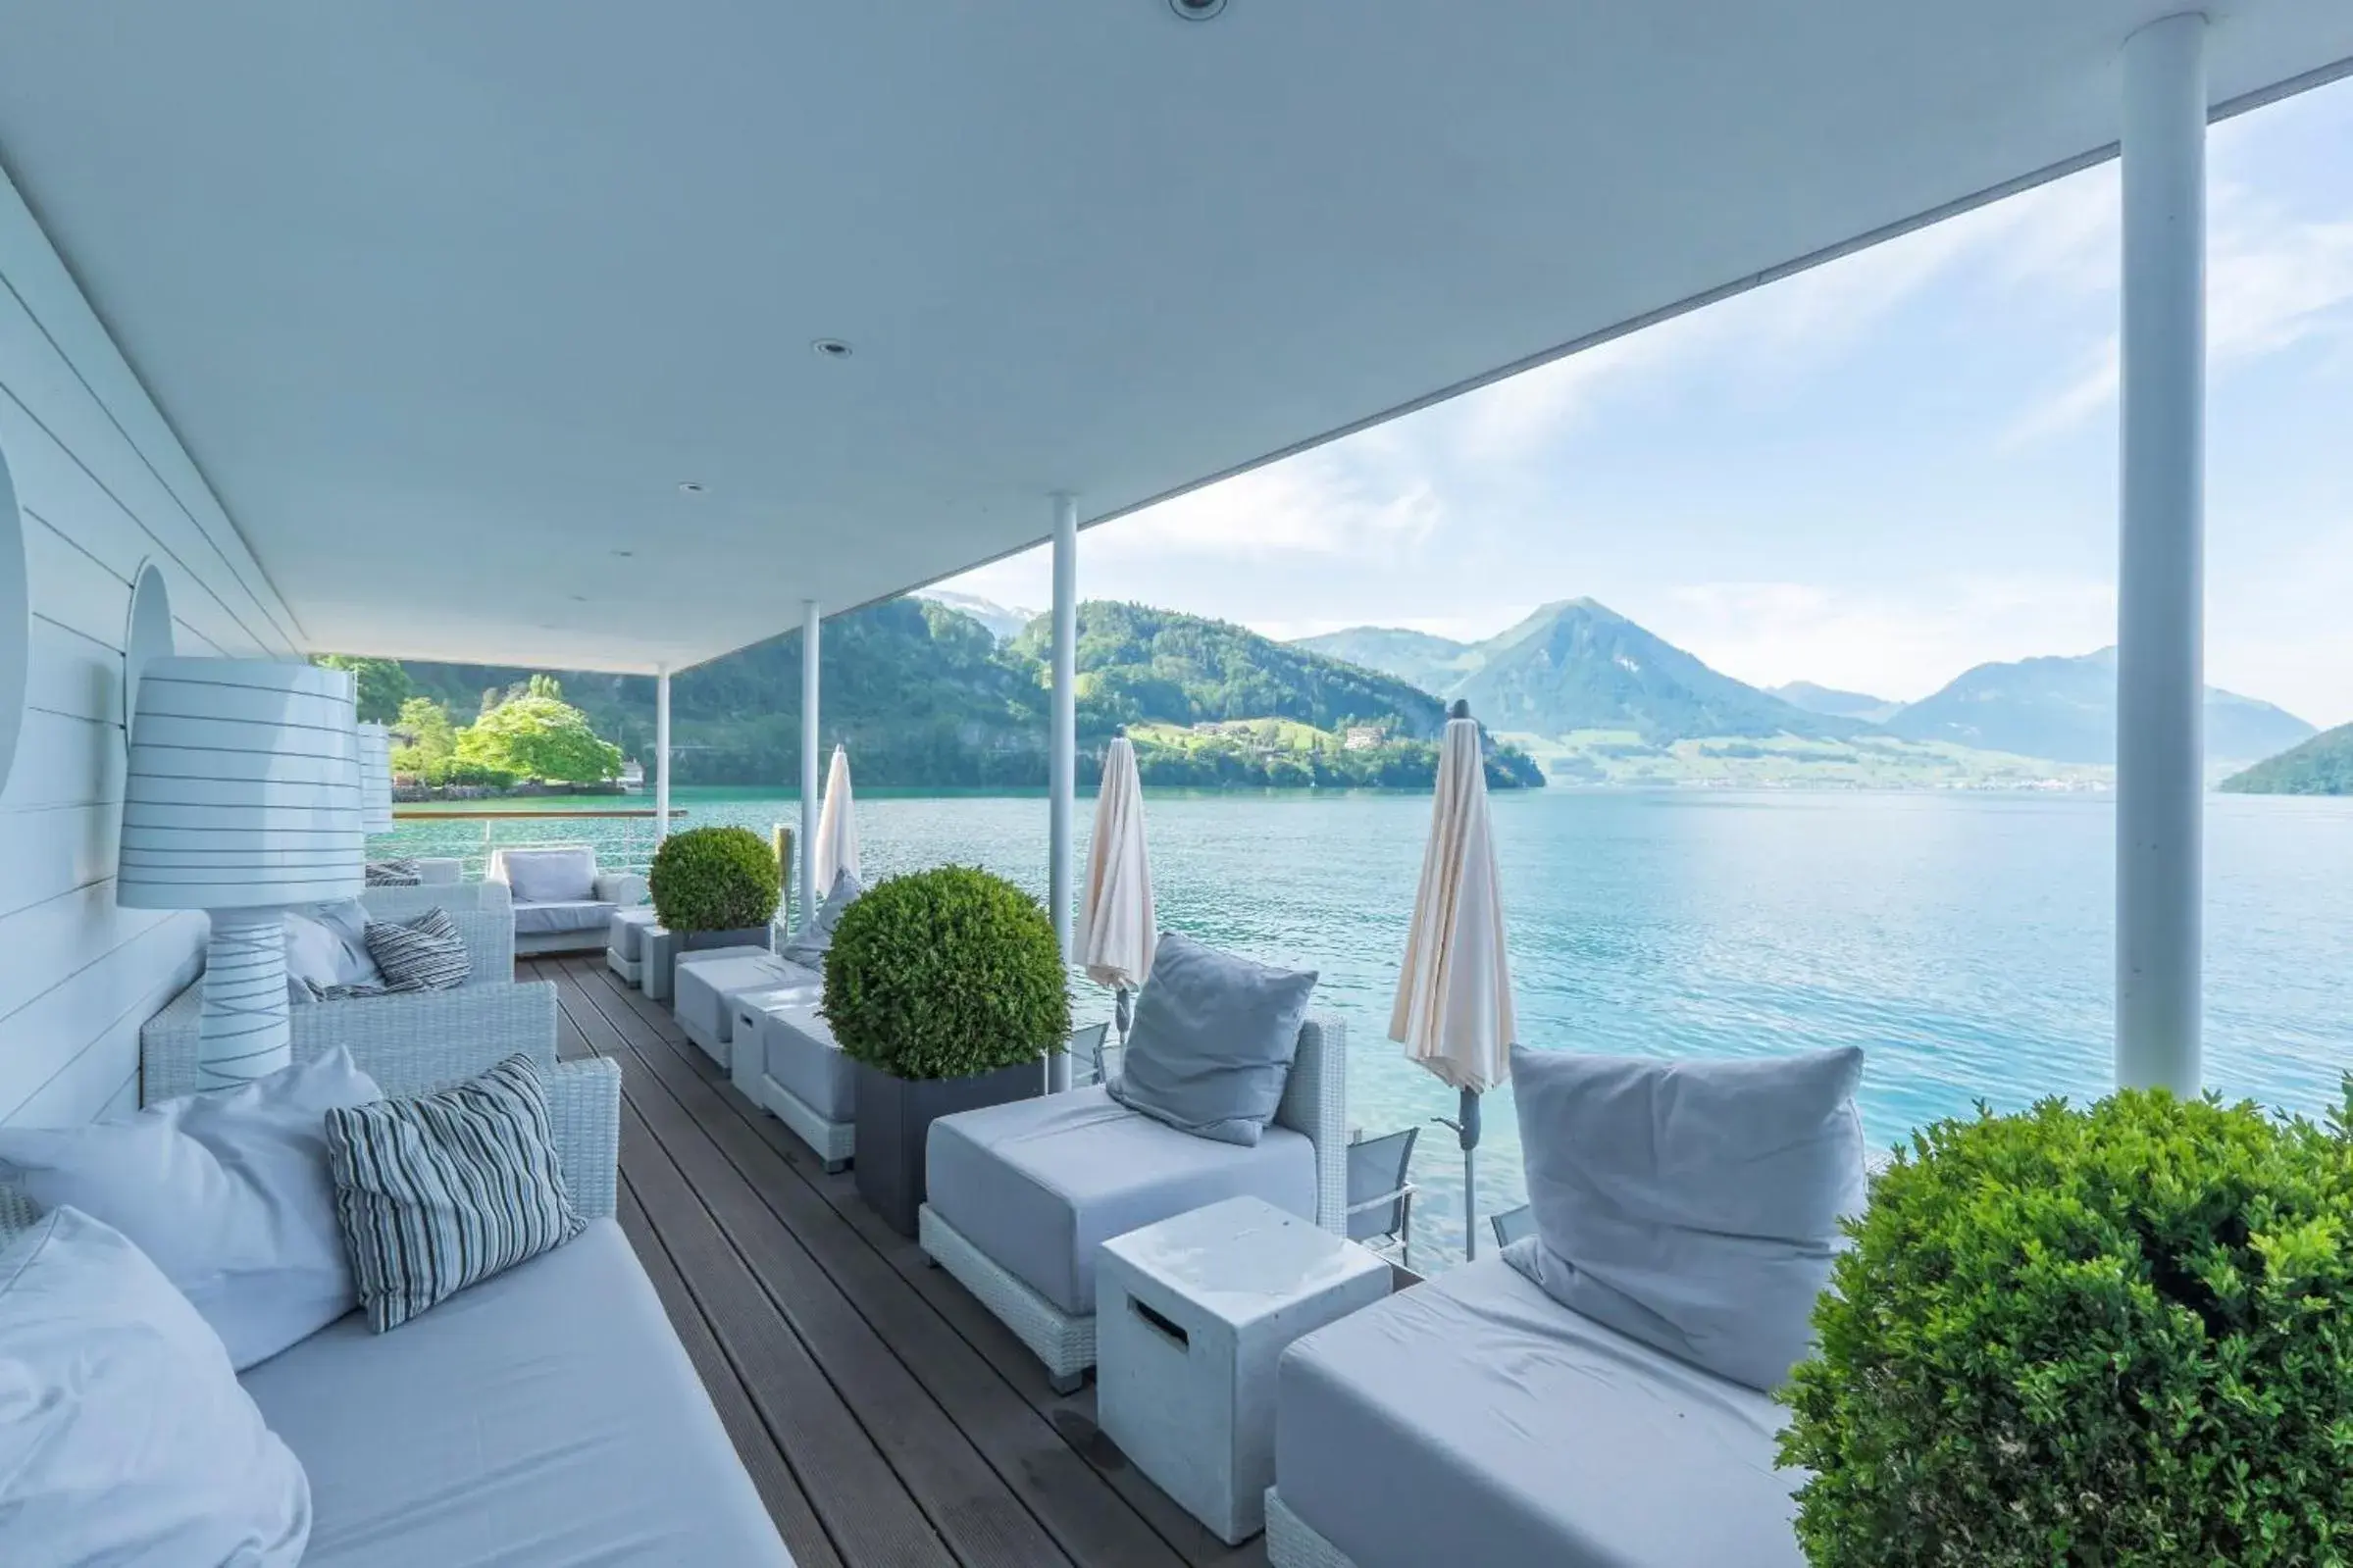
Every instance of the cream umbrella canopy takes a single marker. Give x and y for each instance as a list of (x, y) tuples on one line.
[(1117, 922), (836, 829), (1454, 996)]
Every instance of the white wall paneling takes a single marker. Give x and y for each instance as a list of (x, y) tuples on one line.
[(104, 489)]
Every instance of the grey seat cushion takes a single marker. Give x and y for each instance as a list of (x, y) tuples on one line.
[(1040, 1184), (1474, 1419), (548, 1416), (800, 1053), (538, 920), (1694, 1204)]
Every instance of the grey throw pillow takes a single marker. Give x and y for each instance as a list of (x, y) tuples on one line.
[(423, 954), (1212, 1040), (807, 946), (445, 1190), (1692, 1205)]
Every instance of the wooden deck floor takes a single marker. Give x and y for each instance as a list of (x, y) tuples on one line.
[(885, 1418)]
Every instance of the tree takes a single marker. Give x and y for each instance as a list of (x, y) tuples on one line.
[(539, 736), (384, 685), (427, 738)]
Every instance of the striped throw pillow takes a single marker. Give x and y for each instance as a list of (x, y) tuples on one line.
[(423, 954), (445, 1189), (394, 874)]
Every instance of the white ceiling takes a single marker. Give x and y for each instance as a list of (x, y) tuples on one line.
[(447, 297)]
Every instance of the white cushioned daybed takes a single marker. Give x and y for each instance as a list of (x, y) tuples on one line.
[(705, 983), (1021, 1195), (546, 1418), (1601, 1395), (784, 1057), (1473, 1419), (562, 903)]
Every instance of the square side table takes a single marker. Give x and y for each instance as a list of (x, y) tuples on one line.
[(1190, 1316)]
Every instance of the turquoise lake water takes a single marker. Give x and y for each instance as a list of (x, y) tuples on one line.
[(1963, 940)]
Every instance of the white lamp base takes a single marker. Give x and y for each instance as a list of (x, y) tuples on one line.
[(241, 1031)]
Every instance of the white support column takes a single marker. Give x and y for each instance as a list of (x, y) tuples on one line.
[(2161, 578), (661, 752), (810, 623), (1060, 897)]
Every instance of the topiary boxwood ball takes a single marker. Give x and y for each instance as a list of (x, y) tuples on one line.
[(2119, 1336), (945, 974), (714, 879)]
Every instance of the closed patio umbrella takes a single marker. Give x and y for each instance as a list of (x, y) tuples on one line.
[(1454, 997), (1116, 923), (836, 829)]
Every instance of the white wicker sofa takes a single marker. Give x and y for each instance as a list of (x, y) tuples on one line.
[(1023, 1195), (491, 1011), (546, 1418), (407, 903), (562, 903)]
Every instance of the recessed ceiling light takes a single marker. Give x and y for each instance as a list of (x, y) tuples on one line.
[(1196, 10), (689, 488), (830, 349)]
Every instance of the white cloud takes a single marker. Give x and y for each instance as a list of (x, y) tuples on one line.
[(1900, 646), (1317, 504), (2272, 281)]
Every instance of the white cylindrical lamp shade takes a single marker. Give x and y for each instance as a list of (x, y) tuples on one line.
[(243, 788), (375, 778)]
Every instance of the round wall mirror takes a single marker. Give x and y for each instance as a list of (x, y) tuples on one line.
[(16, 622), (147, 636)]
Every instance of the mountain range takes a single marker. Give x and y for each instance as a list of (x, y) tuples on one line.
[(926, 694), (1576, 665), (1004, 623)]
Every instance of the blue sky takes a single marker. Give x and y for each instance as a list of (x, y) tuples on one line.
[(1873, 474)]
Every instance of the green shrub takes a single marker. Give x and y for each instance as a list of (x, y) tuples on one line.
[(714, 879), (945, 974), (2118, 1337)]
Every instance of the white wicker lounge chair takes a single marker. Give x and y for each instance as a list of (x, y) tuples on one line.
[(577, 919)]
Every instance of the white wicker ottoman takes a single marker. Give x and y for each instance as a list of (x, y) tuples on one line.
[(1190, 1318), (783, 1059), (625, 943), (704, 985)]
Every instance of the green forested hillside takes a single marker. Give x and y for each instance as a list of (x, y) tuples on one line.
[(1433, 662), (925, 696), (2321, 766), (1138, 665)]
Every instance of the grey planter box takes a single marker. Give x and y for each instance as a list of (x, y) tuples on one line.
[(894, 1121), (663, 945)]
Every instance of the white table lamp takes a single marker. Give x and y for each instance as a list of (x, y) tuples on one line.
[(242, 799), (376, 780)]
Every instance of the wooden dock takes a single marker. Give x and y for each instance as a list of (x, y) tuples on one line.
[(887, 1420)]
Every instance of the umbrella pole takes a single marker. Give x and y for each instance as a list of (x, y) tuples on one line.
[(1470, 1175), (1466, 1123)]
